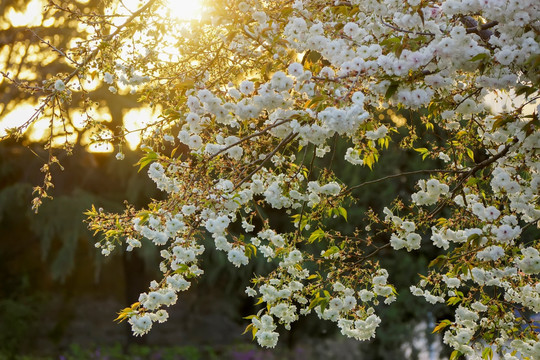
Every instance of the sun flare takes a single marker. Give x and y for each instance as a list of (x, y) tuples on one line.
[(185, 9), (182, 10)]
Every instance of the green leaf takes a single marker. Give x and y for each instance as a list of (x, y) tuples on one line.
[(391, 41), (249, 327), (474, 239), (392, 89), (122, 315), (453, 300), (470, 153), (480, 56), (332, 250), (441, 326), (312, 57), (343, 212), (527, 90), (92, 212), (441, 222), (147, 159), (260, 301), (423, 151), (439, 261), (473, 181), (143, 216), (286, 11), (325, 303), (253, 249), (315, 302), (316, 235), (534, 60), (532, 125), (487, 353), (455, 355), (368, 160), (501, 121), (314, 101), (181, 269), (254, 332)]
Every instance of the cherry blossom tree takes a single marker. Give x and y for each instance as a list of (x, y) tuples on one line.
[(256, 92)]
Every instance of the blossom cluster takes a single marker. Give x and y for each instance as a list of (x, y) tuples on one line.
[(297, 80)]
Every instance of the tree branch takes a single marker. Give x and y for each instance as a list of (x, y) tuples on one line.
[(427, 171), (94, 53), (469, 173), (283, 142), (406, 31), (269, 127), (482, 30)]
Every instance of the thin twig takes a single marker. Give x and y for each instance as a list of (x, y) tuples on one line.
[(266, 129), (469, 173), (94, 53), (53, 47), (427, 171), (298, 230), (283, 142), (406, 31), (530, 223), (373, 253)]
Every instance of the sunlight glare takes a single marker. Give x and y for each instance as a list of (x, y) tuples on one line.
[(101, 147), (185, 9), (139, 118), (16, 117), (498, 102), (31, 16)]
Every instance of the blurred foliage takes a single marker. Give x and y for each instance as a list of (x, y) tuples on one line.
[(18, 314), (137, 352), (39, 249)]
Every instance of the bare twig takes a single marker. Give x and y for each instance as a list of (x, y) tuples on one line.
[(373, 253), (406, 31), (283, 142), (54, 48), (427, 171), (94, 53), (266, 129), (469, 173), (530, 223)]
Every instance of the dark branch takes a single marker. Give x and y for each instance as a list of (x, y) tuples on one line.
[(481, 30), (427, 171)]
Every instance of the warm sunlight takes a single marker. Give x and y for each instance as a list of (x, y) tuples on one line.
[(181, 9), (17, 117), (185, 9), (31, 16), (135, 119)]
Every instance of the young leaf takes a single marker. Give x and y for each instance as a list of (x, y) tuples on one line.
[(440, 326)]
